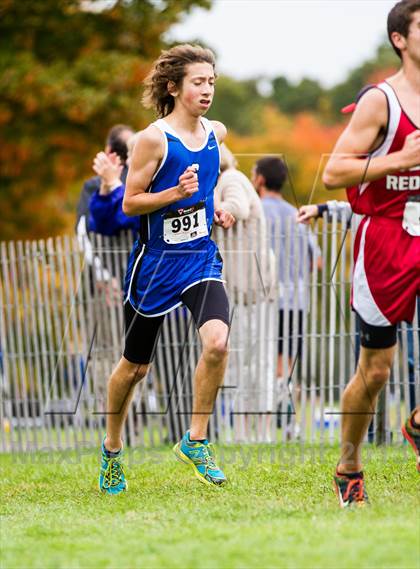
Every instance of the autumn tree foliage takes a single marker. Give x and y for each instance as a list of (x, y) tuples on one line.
[(302, 141), (69, 69), (301, 122)]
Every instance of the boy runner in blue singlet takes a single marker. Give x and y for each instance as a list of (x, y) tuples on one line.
[(170, 184)]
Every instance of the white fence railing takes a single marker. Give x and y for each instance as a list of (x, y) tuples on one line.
[(61, 333)]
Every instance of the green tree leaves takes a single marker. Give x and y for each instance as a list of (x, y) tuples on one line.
[(66, 75)]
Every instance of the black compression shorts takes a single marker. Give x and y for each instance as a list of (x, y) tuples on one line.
[(376, 337), (206, 301)]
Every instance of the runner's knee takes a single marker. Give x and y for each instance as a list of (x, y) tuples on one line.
[(216, 349), (132, 373), (377, 371), (379, 374)]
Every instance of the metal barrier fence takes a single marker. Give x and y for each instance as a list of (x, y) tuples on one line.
[(61, 333)]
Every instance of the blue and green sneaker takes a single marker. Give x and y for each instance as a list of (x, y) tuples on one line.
[(200, 456), (112, 477)]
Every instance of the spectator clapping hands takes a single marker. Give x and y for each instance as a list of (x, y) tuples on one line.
[(109, 168)]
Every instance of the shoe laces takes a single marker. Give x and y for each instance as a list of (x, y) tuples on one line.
[(114, 472), (205, 454), (210, 461), (355, 490)]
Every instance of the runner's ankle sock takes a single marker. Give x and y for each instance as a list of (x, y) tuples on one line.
[(110, 454), (352, 475), (202, 441)]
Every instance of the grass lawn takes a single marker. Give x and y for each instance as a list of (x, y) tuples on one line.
[(278, 511)]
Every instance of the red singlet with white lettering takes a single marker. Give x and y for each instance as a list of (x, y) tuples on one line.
[(386, 278)]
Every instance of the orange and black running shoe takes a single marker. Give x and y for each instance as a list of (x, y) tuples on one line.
[(412, 435), (350, 490)]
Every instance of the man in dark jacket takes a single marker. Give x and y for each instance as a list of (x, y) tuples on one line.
[(116, 143)]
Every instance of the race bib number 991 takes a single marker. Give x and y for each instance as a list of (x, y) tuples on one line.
[(185, 225)]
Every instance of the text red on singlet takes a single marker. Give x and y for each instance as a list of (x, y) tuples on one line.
[(387, 196)]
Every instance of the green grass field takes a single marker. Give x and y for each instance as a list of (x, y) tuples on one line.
[(278, 511)]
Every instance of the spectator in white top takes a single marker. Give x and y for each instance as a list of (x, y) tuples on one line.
[(249, 271), (236, 194)]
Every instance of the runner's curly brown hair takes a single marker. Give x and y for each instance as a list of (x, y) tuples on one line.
[(171, 66)]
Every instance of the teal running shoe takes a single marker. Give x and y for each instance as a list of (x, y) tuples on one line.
[(112, 477), (201, 458)]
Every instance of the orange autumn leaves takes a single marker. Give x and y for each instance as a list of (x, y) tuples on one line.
[(302, 140)]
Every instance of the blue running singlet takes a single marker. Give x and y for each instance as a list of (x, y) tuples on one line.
[(174, 251)]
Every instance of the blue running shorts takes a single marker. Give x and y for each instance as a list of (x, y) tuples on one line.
[(156, 279)]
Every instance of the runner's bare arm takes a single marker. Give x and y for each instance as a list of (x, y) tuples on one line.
[(220, 131), (221, 217), (147, 155), (345, 169)]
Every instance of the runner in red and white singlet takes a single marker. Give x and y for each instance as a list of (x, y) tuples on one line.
[(386, 276), (378, 159)]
